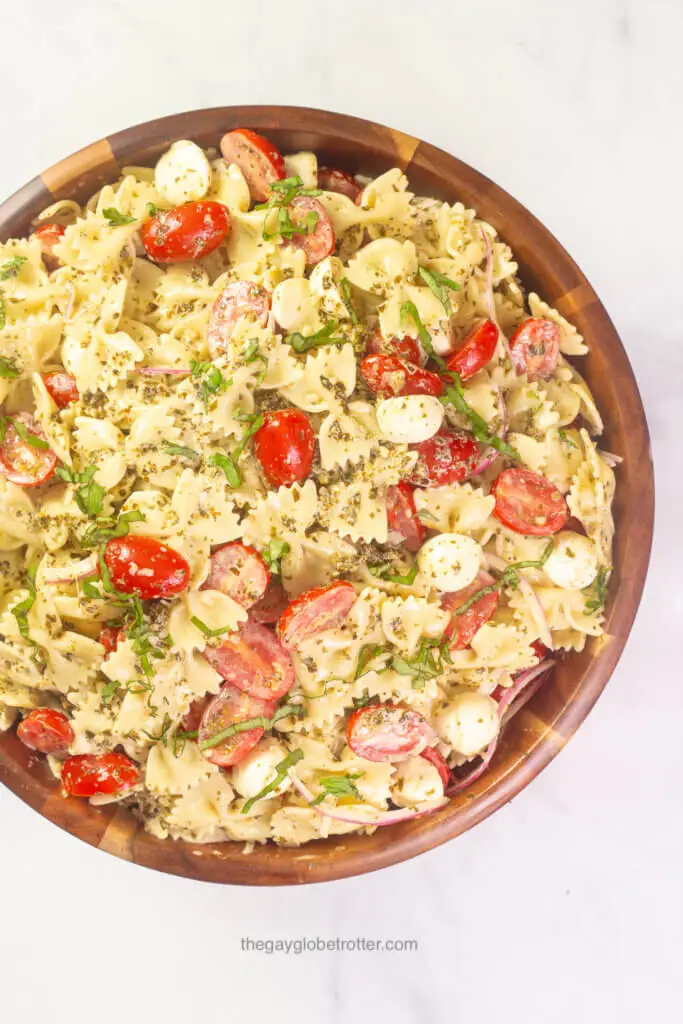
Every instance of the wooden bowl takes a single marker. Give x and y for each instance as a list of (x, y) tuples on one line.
[(542, 728)]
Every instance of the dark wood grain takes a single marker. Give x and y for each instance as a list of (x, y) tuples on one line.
[(542, 728)]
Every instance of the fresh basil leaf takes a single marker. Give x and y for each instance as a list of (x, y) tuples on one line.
[(345, 288), (598, 593), (439, 285), (455, 396), (225, 462), (384, 573), (151, 210), (325, 336), (337, 785), (410, 309), (276, 550), (32, 440), (208, 379), (203, 628), (178, 449), (12, 267), (20, 611), (366, 654), (90, 495), (108, 690), (260, 722), (9, 369), (115, 218), (103, 530)]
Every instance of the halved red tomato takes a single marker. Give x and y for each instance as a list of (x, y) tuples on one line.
[(99, 774), (231, 707), (272, 604), (463, 628), (110, 637), (186, 232), (331, 179), (61, 387), (535, 348), (405, 348), (146, 567), (285, 446), (49, 235), (46, 730), (528, 503), (432, 755), (29, 462), (389, 375), (318, 243), (238, 299), (447, 458), (476, 351), (315, 611), (388, 732)]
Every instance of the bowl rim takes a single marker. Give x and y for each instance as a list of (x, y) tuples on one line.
[(109, 828)]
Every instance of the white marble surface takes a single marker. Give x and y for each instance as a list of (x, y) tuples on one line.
[(568, 904)]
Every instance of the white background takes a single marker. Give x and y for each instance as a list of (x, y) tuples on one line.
[(567, 905)]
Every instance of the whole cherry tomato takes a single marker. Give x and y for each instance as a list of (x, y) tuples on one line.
[(186, 232), (285, 446), (146, 567)]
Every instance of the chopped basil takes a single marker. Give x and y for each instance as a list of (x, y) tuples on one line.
[(508, 578), (90, 495), (439, 285), (151, 210), (32, 440), (107, 528), (178, 449), (12, 267), (345, 288), (337, 785), (8, 368), (286, 228), (115, 218), (208, 379), (276, 550), (455, 396), (260, 722), (566, 439), (161, 738), (367, 653), (253, 355), (20, 611), (384, 573), (325, 336), (410, 309), (224, 462), (428, 663), (363, 700), (108, 690), (203, 628), (282, 192), (281, 770), (598, 591)]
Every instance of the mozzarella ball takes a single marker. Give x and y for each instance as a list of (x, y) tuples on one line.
[(411, 419), (183, 173), (295, 307), (450, 561), (573, 563), (415, 781), (468, 722), (257, 769)]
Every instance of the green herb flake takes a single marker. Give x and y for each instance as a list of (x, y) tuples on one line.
[(281, 771), (208, 379), (90, 495), (598, 592), (210, 633), (225, 462), (325, 336), (455, 396), (336, 786), (439, 284), (170, 448), (384, 573), (345, 288), (20, 611), (107, 528), (9, 369), (260, 722), (12, 267), (276, 550), (409, 309), (115, 218)]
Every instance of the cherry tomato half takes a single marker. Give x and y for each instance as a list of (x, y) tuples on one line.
[(285, 446), (315, 611), (405, 529), (253, 660), (110, 637), (94, 774), (146, 567), (331, 179), (272, 604), (476, 351), (391, 376), (61, 387), (228, 708), (257, 158), (21, 462), (238, 299), (535, 348), (46, 730), (405, 348), (238, 571), (528, 503), (388, 732), (463, 628), (186, 232), (447, 458)]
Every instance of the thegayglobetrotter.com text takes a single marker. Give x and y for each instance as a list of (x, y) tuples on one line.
[(316, 944)]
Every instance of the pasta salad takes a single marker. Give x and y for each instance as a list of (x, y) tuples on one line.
[(300, 495)]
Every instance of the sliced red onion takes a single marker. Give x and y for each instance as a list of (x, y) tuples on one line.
[(162, 371), (610, 458), (71, 573), (488, 456), (536, 609), (380, 818), (509, 705), (490, 300), (459, 784)]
